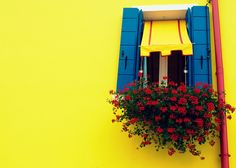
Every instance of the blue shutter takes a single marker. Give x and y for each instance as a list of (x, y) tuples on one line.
[(200, 33), (129, 47)]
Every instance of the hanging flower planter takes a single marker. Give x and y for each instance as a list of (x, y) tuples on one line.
[(170, 116)]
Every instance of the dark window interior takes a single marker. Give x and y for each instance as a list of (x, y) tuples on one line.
[(176, 63), (153, 67)]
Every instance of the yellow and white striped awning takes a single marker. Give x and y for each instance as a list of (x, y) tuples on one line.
[(164, 37)]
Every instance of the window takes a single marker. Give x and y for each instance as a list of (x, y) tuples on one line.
[(198, 65), (172, 66)]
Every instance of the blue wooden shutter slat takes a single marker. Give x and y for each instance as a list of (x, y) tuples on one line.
[(200, 51), (201, 60), (128, 38), (128, 59), (126, 67), (199, 23), (129, 51), (129, 25), (200, 66), (199, 36), (199, 11)]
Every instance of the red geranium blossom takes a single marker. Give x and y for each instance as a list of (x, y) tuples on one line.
[(196, 90), (199, 108), (173, 99), (173, 108), (160, 130), (163, 109), (127, 97), (182, 101), (133, 120), (174, 137), (157, 118), (170, 130), (210, 106)]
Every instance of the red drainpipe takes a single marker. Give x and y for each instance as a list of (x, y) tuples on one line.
[(220, 82)]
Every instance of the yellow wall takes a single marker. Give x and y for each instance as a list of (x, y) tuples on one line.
[(58, 60)]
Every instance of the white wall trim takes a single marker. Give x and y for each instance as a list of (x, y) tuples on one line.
[(164, 12)]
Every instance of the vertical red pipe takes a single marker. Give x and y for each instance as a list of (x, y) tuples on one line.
[(220, 82)]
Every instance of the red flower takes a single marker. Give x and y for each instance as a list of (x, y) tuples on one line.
[(187, 120), (170, 130), (212, 142), (191, 146), (207, 115), (217, 120), (205, 85), (173, 108), (179, 120), (148, 91), (125, 90), (208, 125), (174, 91), (171, 151), (190, 131), (171, 83), (131, 84), (127, 97), (157, 89), (199, 108), (141, 108), (165, 90), (115, 103), (206, 132), (157, 118), (163, 109), (194, 99), (133, 120), (152, 102), (210, 106), (185, 137), (200, 139), (165, 77), (145, 136), (196, 90), (210, 90), (182, 88), (182, 110), (146, 142), (160, 130), (173, 99), (174, 137), (182, 101), (199, 122), (205, 95), (140, 73), (198, 84)]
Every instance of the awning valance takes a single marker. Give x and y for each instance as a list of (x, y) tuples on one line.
[(164, 37)]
